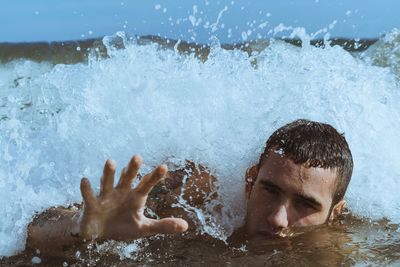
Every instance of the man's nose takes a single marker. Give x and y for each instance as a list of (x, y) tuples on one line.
[(279, 218)]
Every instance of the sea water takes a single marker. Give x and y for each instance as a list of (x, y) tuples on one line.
[(60, 122)]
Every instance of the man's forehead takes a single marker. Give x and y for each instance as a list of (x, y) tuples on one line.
[(298, 177), (277, 161)]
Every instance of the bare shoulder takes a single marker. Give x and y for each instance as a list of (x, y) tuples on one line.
[(193, 184)]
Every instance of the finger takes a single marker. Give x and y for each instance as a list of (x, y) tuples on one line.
[(167, 226), (128, 174), (107, 180), (87, 193), (150, 180)]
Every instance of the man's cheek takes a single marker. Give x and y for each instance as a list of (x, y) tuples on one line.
[(314, 219)]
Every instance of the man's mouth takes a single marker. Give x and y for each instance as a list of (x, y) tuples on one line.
[(277, 234)]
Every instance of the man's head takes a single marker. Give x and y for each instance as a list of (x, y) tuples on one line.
[(301, 179)]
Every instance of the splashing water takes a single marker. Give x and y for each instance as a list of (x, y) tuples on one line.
[(59, 123), (206, 220), (386, 52)]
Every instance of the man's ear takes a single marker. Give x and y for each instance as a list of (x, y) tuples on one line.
[(250, 178), (337, 209)]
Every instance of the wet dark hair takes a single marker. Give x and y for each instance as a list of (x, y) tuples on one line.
[(314, 144)]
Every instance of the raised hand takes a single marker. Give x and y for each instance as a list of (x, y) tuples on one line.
[(118, 212)]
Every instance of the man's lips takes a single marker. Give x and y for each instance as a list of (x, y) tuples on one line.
[(266, 234), (274, 234)]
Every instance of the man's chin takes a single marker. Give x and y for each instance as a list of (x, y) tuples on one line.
[(266, 241)]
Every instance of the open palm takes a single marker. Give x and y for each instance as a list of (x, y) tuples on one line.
[(118, 212)]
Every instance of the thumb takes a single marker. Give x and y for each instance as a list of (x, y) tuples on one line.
[(168, 226)]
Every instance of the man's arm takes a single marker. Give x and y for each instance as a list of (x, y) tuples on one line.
[(54, 231), (117, 213)]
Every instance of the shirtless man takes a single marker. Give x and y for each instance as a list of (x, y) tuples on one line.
[(300, 180)]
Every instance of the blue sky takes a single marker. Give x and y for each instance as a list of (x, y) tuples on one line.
[(50, 20)]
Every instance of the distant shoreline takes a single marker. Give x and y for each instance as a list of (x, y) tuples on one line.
[(71, 52)]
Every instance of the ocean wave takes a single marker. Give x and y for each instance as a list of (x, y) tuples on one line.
[(60, 122)]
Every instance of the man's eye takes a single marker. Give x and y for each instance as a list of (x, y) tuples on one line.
[(271, 190), (305, 204)]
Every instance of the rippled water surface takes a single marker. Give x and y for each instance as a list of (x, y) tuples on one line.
[(350, 242)]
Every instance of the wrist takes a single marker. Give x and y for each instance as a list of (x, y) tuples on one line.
[(75, 228), (87, 227)]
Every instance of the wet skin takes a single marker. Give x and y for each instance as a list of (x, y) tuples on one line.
[(286, 195)]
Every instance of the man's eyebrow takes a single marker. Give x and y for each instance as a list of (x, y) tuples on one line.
[(270, 184), (309, 199)]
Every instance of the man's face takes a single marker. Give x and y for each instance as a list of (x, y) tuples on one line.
[(286, 195)]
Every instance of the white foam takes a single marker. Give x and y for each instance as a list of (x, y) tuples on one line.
[(61, 123)]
